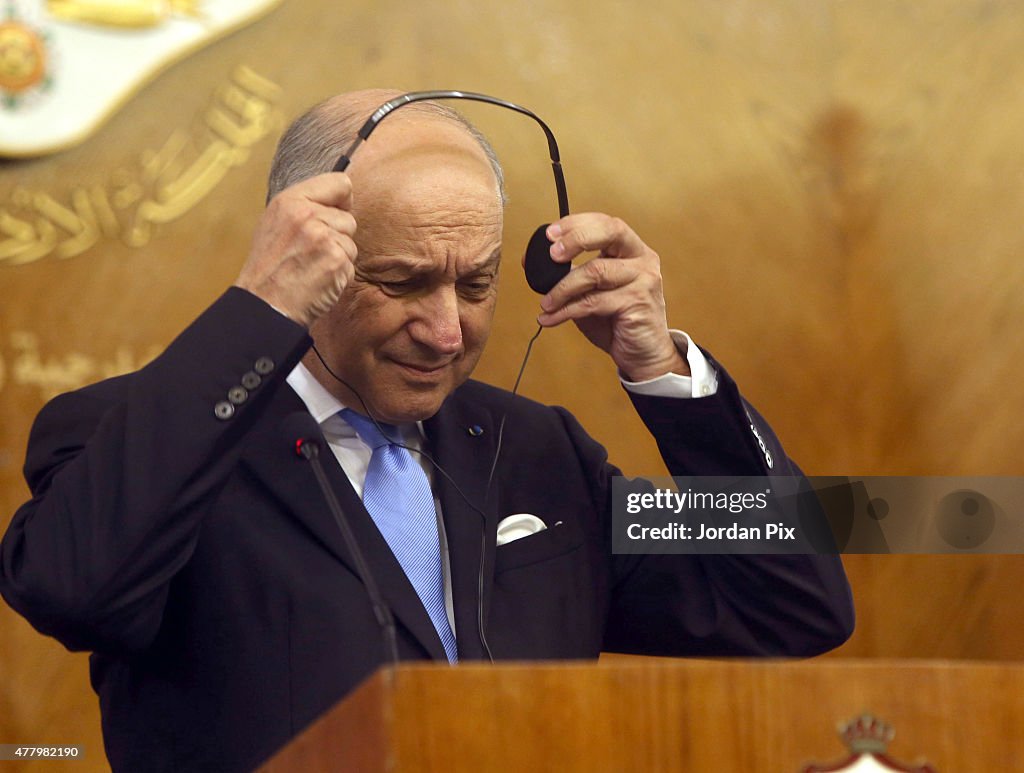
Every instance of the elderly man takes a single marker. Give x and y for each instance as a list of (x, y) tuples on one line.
[(175, 534)]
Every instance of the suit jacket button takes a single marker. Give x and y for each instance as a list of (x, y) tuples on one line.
[(251, 380), (263, 365), (237, 395), (223, 410)]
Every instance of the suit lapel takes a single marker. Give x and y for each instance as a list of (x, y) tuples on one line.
[(291, 481), (462, 438)]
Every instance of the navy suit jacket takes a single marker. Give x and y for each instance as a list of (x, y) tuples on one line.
[(186, 545)]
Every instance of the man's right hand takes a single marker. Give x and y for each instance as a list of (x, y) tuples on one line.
[(303, 253)]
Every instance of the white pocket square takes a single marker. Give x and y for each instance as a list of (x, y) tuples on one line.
[(517, 526)]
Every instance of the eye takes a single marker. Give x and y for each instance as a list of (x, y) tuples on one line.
[(476, 287), (400, 287)]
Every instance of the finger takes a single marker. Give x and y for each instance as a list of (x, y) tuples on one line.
[(333, 189), (593, 232), (316, 229), (597, 303), (324, 261), (339, 220), (598, 275), (349, 251)]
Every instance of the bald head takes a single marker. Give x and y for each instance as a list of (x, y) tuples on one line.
[(313, 144)]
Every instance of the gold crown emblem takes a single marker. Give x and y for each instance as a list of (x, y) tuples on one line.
[(867, 734)]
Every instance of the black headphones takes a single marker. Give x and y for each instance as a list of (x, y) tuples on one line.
[(542, 273)]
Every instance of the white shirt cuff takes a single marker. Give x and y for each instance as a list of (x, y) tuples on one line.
[(702, 381)]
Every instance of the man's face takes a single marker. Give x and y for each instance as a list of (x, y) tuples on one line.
[(413, 322)]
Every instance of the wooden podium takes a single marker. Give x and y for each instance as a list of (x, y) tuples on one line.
[(649, 716)]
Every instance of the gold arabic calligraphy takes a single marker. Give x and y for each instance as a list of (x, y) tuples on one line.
[(35, 225), (54, 375)]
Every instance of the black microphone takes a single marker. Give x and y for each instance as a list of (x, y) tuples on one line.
[(303, 431)]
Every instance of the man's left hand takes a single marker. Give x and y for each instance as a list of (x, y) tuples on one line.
[(616, 299)]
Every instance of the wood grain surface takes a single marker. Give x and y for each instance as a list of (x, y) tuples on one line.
[(670, 717)]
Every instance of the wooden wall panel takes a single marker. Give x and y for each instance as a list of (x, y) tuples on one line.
[(834, 188), (936, 273)]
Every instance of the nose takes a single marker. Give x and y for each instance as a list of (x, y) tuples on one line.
[(438, 325)]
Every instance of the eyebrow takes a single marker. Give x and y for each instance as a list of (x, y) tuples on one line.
[(381, 265), (492, 260)]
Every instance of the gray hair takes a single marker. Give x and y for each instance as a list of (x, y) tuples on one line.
[(315, 141)]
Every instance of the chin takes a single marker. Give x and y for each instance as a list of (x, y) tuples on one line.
[(409, 408)]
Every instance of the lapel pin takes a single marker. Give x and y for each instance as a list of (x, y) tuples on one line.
[(475, 431)]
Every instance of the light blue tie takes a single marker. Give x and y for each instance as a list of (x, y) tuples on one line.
[(397, 496)]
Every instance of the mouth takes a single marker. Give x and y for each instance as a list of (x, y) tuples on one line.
[(422, 371)]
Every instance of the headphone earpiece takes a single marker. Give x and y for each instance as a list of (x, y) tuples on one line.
[(542, 273)]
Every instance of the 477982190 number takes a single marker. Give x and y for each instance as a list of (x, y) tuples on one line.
[(22, 751)]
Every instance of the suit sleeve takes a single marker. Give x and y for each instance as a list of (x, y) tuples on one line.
[(702, 605), (122, 472)]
